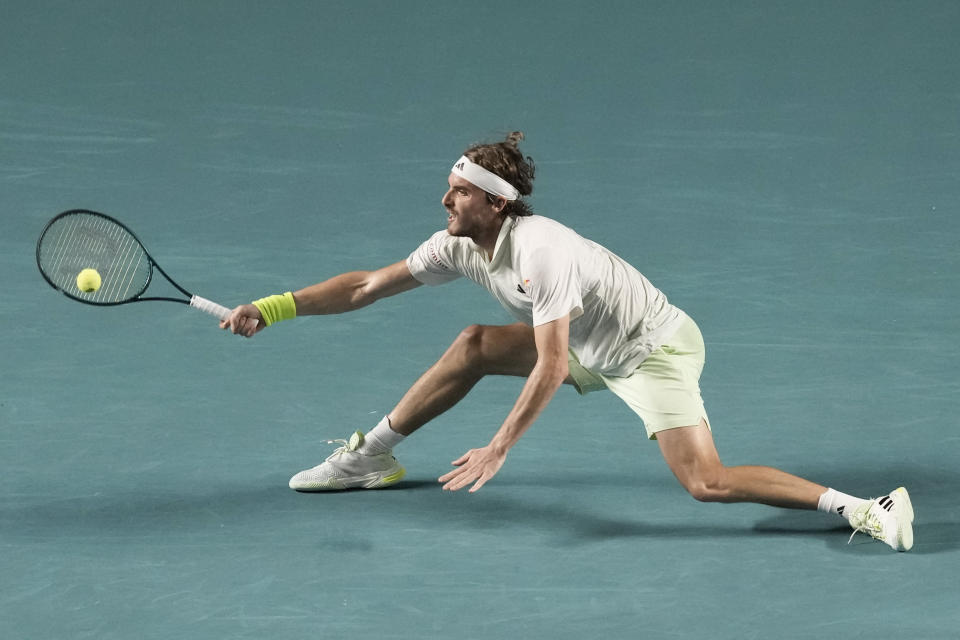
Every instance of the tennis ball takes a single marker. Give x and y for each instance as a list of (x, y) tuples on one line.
[(88, 280)]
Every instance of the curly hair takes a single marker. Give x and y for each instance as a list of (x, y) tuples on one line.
[(506, 160)]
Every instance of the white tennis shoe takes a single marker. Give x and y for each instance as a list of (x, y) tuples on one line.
[(889, 519), (348, 469)]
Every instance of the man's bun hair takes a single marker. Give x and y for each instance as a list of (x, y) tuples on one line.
[(514, 138)]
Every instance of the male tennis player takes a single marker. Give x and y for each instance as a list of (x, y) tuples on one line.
[(586, 318)]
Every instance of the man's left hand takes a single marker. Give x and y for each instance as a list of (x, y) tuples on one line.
[(476, 465)]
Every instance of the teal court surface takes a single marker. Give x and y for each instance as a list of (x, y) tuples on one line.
[(787, 173)]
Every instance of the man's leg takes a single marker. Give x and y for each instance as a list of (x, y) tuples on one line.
[(366, 461), (477, 352), (693, 458)]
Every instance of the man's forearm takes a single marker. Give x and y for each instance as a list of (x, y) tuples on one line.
[(337, 295), (353, 290), (541, 385)]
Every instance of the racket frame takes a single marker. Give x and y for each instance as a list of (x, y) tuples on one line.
[(192, 300)]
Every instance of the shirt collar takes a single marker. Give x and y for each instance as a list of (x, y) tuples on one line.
[(508, 223)]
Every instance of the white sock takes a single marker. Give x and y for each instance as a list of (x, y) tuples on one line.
[(839, 503), (380, 439)]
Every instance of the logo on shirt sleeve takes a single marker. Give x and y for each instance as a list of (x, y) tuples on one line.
[(435, 257)]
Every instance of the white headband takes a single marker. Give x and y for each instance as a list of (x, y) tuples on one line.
[(486, 180)]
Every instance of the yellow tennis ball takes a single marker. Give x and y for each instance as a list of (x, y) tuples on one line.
[(88, 280)]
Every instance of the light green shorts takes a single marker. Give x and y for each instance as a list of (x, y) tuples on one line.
[(664, 390)]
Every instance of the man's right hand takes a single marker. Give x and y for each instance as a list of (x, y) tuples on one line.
[(245, 320)]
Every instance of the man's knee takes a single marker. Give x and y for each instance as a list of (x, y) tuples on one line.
[(707, 486), (469, 344), (496, 350)]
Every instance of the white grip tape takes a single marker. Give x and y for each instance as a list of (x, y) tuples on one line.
[(210, 307)]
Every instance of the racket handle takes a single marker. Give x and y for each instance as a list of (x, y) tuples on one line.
[(210, 307)]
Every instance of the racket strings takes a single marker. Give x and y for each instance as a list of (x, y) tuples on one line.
[(86, 241)]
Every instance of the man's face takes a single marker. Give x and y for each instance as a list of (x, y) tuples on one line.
[(469, 213)]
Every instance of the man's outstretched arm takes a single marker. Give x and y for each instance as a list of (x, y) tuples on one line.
[(479, 465), (339, 294)]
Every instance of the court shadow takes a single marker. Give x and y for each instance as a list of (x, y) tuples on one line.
[(403, 487), (257, 509), (162, 516), (572, 524), (800, 523), (575, 524), (929, 538)]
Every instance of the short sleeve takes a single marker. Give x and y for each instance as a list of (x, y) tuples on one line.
[(434, 261), (553, 282)]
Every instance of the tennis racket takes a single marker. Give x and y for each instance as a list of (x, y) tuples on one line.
[(78, 239)]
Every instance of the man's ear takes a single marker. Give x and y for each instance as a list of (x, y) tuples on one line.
[(499, 204)]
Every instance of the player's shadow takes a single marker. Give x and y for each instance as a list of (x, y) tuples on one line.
[(257, 509), (935, 529), (159, 516), (929, 537)]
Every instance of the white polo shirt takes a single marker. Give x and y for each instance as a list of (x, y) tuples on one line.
[(542, 270)]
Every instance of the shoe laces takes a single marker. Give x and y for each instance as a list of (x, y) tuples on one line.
[(866, 522), (343, 444), (346, 446), (339, 451)]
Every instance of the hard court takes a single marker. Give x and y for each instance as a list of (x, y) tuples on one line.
[(786, 172)]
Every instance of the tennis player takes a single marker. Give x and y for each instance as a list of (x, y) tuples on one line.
[(585, 317)]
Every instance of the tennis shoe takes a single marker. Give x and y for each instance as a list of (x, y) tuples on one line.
[(346, 468), (889, 519)]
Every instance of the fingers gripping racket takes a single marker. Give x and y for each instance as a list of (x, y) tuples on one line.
[(78, 240)]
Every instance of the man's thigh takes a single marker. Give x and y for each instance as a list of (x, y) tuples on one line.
[(508, 350)]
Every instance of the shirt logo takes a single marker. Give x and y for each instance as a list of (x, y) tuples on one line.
[(520, 287), (435, 258)]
